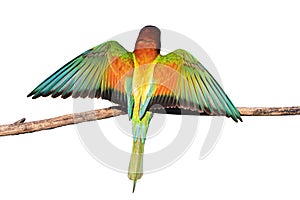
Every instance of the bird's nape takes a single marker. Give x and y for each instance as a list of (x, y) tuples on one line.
[(149, 37)]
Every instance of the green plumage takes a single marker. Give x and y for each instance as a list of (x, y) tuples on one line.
[(88, 75), (195, 87)]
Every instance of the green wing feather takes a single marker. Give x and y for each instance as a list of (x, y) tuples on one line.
[(183, 82), (98, 72)]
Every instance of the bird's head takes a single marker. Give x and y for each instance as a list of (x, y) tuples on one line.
[(149, 38)]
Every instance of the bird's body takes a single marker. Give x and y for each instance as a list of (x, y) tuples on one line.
[(145, 57), (137, 80)]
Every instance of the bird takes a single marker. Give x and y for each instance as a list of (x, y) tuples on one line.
[(138, 81)]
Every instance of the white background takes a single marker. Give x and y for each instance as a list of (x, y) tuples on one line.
[(255, 46)]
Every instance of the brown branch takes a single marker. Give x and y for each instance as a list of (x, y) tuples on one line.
[(269, 111), (20, 127)]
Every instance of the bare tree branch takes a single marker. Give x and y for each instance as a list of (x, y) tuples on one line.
[(20, 127)]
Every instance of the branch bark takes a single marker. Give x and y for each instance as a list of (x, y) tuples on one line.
[(20, 127)]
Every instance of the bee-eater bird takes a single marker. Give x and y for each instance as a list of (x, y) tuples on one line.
[(138, 80)]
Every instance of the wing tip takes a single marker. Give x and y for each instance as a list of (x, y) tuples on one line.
[(33, 95), (33, 92), (241, 120), (236, 118)]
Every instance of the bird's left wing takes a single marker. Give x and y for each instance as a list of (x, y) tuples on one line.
[(182, 81), (98, 72)]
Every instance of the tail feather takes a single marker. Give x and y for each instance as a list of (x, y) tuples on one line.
[(139, 128), (135, 169)]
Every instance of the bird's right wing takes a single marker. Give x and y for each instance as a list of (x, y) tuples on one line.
[(182, 81), (98, 72)]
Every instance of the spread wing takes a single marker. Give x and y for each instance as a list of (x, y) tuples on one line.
[(182, 81), (98, 72)]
